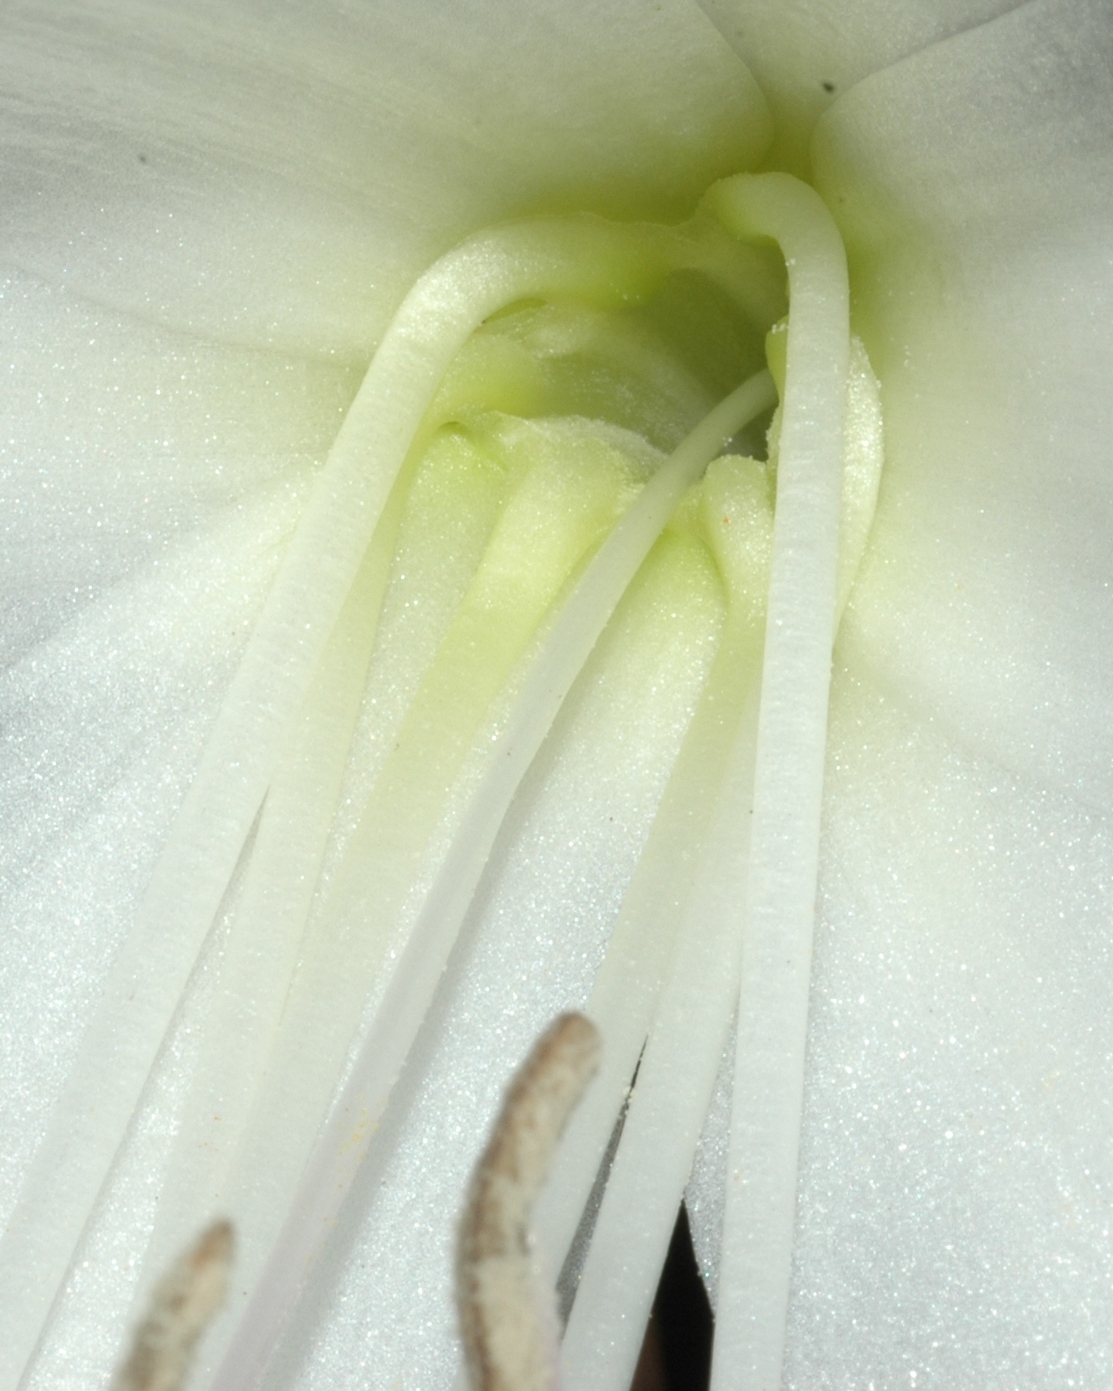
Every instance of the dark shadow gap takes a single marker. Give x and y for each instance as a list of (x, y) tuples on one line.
[(676, 1354)]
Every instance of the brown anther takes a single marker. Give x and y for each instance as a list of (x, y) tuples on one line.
[(183, 1302), (507, 1324)]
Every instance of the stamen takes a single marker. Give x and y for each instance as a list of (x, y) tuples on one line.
[(716, 932), (788, 780), (356, 1113), (508, 1334), (737, 513), (181, 1307), (281, 742), (577, 257)]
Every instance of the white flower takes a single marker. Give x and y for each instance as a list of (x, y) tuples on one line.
[(208, 220)]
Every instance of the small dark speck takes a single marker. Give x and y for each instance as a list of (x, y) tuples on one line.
[(828, 86), (142, 159)]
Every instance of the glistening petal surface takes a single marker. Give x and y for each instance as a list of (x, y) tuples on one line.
[(281, 174), (806, 54)]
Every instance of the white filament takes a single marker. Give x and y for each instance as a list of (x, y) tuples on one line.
[(767, 1102), (751, 907), (579, 257), (396, 1024)]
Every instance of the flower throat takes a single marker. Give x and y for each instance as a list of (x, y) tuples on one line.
[(557, 436)]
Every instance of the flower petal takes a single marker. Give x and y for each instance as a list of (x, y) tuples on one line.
[(281, 176), (118, 436), (974, 185), (806, 54)]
